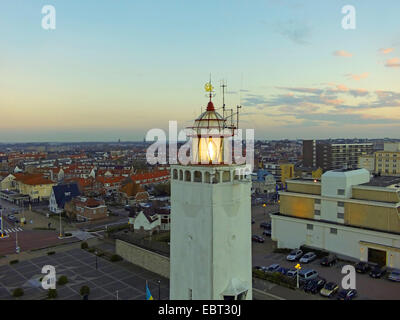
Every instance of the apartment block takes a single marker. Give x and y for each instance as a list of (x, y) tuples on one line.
[(387, 161), (330, 156)]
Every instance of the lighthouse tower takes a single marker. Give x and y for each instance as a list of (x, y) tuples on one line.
[(211, 218)]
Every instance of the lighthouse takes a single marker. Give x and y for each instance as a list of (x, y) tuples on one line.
[(211, 217)]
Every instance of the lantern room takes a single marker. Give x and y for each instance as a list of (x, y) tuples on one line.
[(208, 135)]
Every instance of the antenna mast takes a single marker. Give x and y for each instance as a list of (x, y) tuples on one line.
[(223, 86)]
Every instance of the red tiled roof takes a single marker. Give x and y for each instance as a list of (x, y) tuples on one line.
[(151, 175), (32, 178)]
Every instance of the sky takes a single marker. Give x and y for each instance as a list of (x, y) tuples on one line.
[(114, 69)]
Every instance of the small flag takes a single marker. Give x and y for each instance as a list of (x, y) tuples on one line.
[(148, 293)]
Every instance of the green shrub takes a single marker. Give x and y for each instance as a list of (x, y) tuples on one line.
[(84, 245), (18, 292), (14, 261), (85, 290), (51, 253), (115, 258), (62, 280), (117, 228), (68, 234), (52, 294), (275, 277), (91, 250)]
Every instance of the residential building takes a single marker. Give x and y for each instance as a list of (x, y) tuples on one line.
[(146, 220), (35, 186), (86, 209), (329, 156), (347, 212), (61, 194), (387, 161), (132, 193), (280, 171), (263, 182), (367, 162)]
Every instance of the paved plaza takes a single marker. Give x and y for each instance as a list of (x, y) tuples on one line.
[(80, 268)]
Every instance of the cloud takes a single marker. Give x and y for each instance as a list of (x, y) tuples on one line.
[(393, 63), (386, 51), (342, 53), (358, 77), (335, 104), (296, 31)]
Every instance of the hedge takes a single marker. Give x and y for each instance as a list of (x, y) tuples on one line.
[(275, 277)]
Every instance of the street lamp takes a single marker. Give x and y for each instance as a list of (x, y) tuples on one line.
[(96, 258), (298, 268), (159, 289), (264, 206), (60, 226), (17, 248)]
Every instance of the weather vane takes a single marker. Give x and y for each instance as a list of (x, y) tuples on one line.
[(209, 89)]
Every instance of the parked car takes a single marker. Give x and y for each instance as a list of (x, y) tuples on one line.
[(378, 272), (13, 218), (328, 261), (314, 285), (347, 294), (308, 257), (273, 268), (267, 232), (258, 239), (265, 225), (307, 274), (294, 255), (394, 275), (291, 273), (362, 267), (329, 289)]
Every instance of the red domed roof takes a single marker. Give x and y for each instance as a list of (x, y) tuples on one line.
[(210, 106)]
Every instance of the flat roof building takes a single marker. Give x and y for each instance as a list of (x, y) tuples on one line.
[(347, 212)]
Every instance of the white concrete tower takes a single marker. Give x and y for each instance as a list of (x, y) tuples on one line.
[(211, 218)]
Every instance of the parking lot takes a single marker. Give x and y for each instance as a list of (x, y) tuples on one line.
[(80, 268), (263, 255)]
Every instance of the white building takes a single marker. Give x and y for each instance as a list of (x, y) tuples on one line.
[(146, 221), (348, 213), (211, 221)]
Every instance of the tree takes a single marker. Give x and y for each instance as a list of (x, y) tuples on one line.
[(52, 294), (85, 291)]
